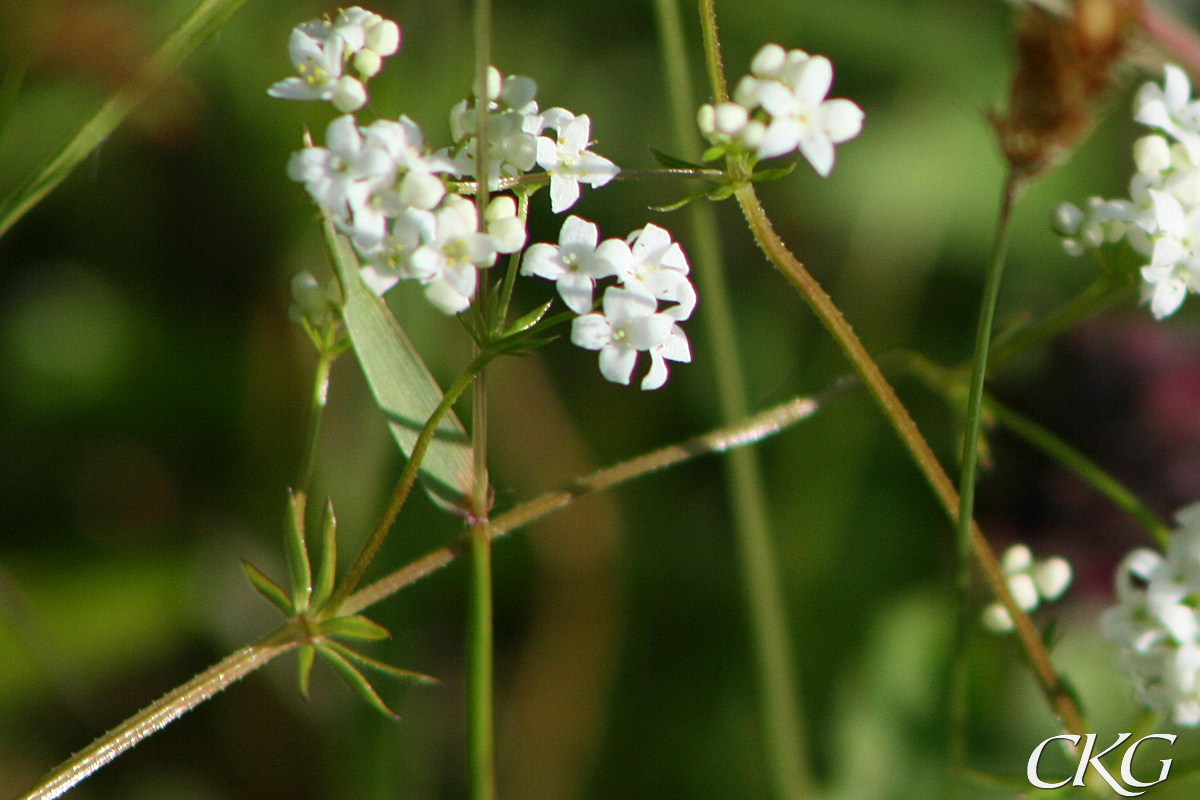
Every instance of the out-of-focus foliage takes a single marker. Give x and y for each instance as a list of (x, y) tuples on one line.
[(153, 393)]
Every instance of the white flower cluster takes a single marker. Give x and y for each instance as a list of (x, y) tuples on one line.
[(516, 142), (1156, 622), (1030, 582), (1161, 220), (321, 49), (648, 267), (389, 194), (781, 107)]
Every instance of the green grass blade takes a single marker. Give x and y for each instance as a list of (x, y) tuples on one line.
[(205, 19), (401, 382)]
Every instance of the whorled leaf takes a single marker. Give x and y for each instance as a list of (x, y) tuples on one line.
[(355, 627), (327, 573), (401, 383), (405, 675), (268, 588), (354, 679), (297, 551), (308, 653)]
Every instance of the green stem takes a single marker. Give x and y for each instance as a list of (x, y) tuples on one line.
[(162, 712), (749, 431), (779, 698), (480, 725), (1057, 695), (1101, 294), (1081, 465), (10, 86), (316, 409), (972, 430), (403, 486)]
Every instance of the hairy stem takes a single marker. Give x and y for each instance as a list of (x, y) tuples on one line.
[(897, 415), (160, 713), (779, 700)]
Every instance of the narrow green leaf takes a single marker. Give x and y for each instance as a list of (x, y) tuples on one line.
[(529, 320), (268, 588), (401, 382), (327, 573), (671, 162), (356, 627), (405, 675), (205, 19), (773, 174), (721, 192), (713, 153), (680, 203), (307, 653), (355, 680), (297, 551)]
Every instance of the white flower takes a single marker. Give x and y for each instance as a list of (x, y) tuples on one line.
[(1170, 108), (660, 269), (802, 118), (1030, 582), (628, 325), (340, 176), (569, 162), (576, 262), (504, 225), (446, 263), (513, 126), (1156, 624), (389, 262), (317, 58), (1174, 261)]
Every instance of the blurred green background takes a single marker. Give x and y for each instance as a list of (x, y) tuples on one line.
[(153, 400)]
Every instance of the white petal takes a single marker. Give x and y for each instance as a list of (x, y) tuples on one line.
[(1024, 591), (564, 192), (578, 234), (782, 137), (591, 331), (651, 330), (446, 298), (1177, 90), (574, 136), (1168, 296), (612, 257), (617, 362), (1052, 577), (576, 291), (657, 375), (814, 80), (840, 119), (777, 99), (817, 148), (595, 170), (677, 347), (543, 260), (622, 305), (295, 89)]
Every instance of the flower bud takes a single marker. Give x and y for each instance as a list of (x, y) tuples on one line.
[(368, 63), (501, 207), (349, 94), (1016, 559), (996, 619), (1152, 155), (1024, 591), (746, 92), (753, 133), (495, 82), (422, 189), (706, 118), (1066, 219), (384, 37), (731, 118), (768, 61), (1052, 577), (509, 233), (519, 91)]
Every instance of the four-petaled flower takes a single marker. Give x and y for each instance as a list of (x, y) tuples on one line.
[(576, 262), (568, 159), (628, 325)]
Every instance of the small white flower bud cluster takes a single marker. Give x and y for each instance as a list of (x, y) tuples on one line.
[(1030, 582), (780, 107), (320, 51), (648, 268), (1161, 220), (1156, 622)]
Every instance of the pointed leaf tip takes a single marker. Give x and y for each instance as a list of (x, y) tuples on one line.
[(355, 627), (268, 588), (304, 671), (355, 680)]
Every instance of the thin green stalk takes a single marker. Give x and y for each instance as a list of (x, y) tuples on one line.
[(205, 19), (1081, 465), (1099, 295), (160, 713), (316, 410), (1056, 693), (480, 725), (979, 368), (404, 485), (972, 430), (779, 698), (747, 432)]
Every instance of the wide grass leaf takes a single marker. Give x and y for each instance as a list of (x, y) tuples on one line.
[(400, 381)]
